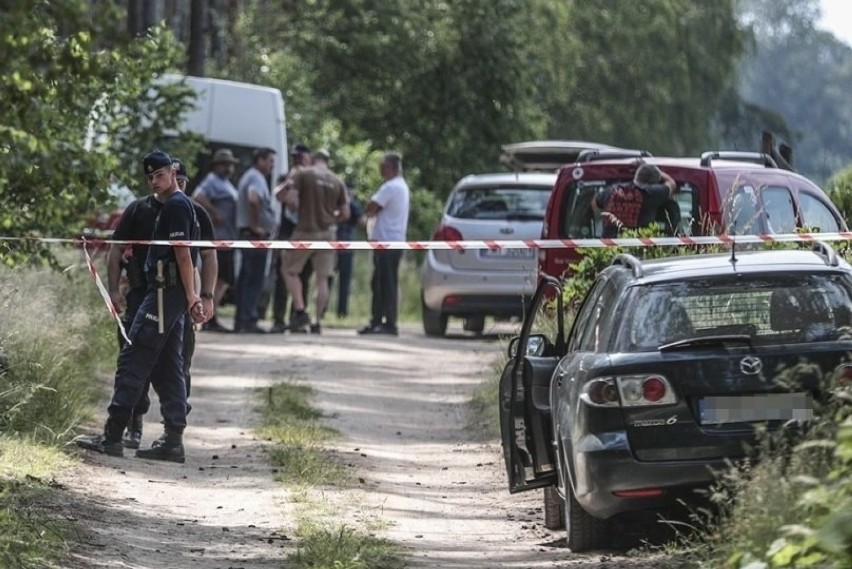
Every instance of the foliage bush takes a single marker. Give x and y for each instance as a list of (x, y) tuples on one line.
[(54, 331)]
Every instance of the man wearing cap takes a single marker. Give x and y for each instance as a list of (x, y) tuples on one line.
[(218, 196), (137, 224), (322, 201), (156, 334), (257, 221)]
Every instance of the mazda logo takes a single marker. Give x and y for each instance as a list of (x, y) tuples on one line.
[(751, 365), (506, 230)]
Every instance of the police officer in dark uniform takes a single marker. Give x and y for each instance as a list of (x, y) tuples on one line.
[(156, 335), (137, 224)]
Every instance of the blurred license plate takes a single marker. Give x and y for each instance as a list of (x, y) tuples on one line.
[(507, 253), (751, 408)]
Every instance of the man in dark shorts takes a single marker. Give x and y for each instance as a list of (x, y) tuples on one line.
[(218, 196), (634, 205), (156, 334)]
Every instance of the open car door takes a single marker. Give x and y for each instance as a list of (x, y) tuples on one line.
[(525, 420)]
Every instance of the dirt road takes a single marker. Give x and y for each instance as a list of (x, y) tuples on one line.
[(400, 403)]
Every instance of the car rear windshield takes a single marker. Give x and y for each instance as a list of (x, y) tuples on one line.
[(780, 309), (522, 203), (580, 221)]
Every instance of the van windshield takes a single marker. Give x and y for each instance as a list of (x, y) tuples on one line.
[(521, 203), (580, 221)]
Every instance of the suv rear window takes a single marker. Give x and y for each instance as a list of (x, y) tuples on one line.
[(521, 203), (580, 221), (771, 309)]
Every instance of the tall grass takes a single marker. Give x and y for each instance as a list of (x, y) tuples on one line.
[(54, 331)]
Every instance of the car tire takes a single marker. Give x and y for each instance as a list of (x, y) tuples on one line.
[(434, 323), (583, 532), (554, 509), (475, 324)]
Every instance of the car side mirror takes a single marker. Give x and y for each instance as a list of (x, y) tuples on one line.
[(536, 344)]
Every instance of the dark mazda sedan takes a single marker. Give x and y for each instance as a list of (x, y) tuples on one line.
[(669, 370)]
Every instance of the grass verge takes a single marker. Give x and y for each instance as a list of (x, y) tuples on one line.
[(298, 435), (484, 403)]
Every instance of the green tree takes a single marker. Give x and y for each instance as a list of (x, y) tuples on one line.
[(57, 69), (650, 74), (804, 75)]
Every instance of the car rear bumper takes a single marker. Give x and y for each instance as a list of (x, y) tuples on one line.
[(600, 473), (457, 293)]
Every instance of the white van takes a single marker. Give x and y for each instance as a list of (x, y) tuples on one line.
[(238, 116)]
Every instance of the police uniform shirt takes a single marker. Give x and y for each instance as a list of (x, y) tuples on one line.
[(176, 222), (137, 224)]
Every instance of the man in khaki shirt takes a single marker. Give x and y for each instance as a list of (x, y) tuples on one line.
[(320, 197)]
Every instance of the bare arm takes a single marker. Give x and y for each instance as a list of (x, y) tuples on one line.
[(205, 202), (344, 213), (187, 277), (670, 182), (373, 209), (114, 275), (209, 272), (254, 213)]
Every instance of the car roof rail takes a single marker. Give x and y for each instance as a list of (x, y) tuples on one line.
[(828, 254), (627, 260), (733, 155), (594, 154)]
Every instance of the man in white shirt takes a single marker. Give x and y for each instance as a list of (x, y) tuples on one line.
[(388, 210)]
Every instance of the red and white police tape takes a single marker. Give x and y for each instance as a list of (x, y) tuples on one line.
[(491, 244), (105, 294)]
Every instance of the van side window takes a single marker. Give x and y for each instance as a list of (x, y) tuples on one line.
[(780, 210), (742, 212), (816, 215), (677, 217)]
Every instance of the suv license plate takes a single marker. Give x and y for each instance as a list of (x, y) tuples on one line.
[(751, 408), (507, 253)]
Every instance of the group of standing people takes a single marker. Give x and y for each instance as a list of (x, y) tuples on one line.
[(310, 203), (167, 295)]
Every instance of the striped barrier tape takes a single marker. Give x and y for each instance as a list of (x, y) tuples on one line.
[(468, 244), (104, 293)]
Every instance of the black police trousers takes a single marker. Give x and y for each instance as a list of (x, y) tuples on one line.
[(155, 356)]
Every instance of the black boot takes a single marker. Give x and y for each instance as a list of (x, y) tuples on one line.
[(133, 434), (169, 447), (107, 443)]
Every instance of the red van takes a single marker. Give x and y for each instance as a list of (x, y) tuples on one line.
[(732, 193)]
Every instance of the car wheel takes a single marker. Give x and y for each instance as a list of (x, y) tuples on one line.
[(475, 324), (583, 532), (554, 509), (434, 323)]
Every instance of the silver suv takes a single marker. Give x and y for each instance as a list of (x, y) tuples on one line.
[(474, 284)]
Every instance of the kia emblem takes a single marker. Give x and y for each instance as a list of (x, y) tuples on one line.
[(751, 365)]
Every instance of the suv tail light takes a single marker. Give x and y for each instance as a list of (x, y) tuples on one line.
[(630, 391), (843, 375), (446, 233)]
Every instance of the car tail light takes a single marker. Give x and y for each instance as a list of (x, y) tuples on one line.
[(446, 233), (600, 393), (843, 374), (641, 390)]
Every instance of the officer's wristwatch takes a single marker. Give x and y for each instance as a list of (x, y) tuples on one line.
[(207, 295)]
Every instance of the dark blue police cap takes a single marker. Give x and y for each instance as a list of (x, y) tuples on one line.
[(180, 167), (154, 161)]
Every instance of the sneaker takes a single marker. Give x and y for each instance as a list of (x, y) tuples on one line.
[(132, 438), (382, 329), (316, 328), (100, 444), (299, 323), (162, 449), (368, 329), (215, 326), (255, 329), (278, 328)]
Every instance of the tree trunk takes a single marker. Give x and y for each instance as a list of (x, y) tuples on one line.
[(233, 51), (134, 17), (197, 51), (149, 14)]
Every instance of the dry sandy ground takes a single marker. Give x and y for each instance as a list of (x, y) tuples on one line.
[(400, 403)]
